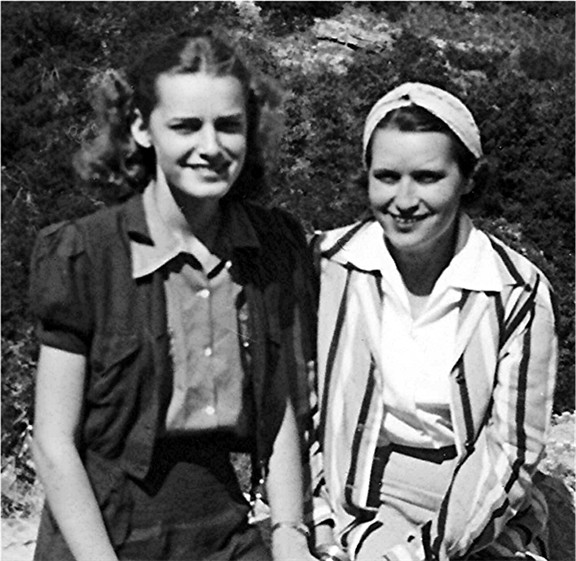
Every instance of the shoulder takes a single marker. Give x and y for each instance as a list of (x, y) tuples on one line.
[(331, 243), (73, 237), (516, 265), (527, 280)]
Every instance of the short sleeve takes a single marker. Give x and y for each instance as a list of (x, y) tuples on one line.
[(59, 295)]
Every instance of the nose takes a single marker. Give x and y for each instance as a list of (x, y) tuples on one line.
[(406, 199), (208, 145)]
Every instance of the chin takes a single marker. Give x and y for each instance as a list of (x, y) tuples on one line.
[(207, 191), (406, 242)]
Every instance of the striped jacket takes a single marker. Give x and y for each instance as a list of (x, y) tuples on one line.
[(502, 384)]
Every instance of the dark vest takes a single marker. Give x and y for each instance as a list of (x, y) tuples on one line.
[(129, 372)]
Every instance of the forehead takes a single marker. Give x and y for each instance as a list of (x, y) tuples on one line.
[(199, 93), (390, 146)]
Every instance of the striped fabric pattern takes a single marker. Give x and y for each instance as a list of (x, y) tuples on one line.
[(502, 387)]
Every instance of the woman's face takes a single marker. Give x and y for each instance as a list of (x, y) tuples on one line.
[(414, 187), (198, 131)]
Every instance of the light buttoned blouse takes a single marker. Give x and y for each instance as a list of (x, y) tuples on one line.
[(209, 387), (417, 355)]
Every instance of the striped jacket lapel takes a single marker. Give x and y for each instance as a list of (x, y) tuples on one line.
[(482, 329), (474, 368), (472, 307), (364, 303), (349, 354), (368, 290)]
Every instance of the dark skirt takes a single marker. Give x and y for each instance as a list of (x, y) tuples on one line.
[(189, 508)]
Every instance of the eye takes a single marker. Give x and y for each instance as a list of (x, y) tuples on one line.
[(186, 126), (428, 177), (386, 176), (230, 125)]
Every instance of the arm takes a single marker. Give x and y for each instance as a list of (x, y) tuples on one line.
[(323, 533), (58, 409), (323, 539), (286, 482), (285, 492), (494, 481)]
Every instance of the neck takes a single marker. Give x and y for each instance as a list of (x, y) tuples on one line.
[(421, 270), (188, 216)]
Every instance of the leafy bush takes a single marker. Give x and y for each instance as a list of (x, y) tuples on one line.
[(559, 458), (287, 17), (18, 476)]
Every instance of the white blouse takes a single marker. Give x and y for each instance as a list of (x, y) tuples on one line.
[(417, 355)]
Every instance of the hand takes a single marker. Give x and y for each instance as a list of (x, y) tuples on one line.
[(331, 552), (326, 548)]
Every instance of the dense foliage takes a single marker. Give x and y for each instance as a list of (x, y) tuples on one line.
[(513, 63)]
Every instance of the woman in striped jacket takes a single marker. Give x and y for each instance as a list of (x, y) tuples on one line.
[(437, 357)]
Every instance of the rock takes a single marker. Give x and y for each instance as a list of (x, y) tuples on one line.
[(351, 35), (19, 538)]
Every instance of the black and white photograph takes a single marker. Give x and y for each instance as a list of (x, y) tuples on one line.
[(288, 281)]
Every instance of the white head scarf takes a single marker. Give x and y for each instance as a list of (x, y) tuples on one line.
[(440, 103)]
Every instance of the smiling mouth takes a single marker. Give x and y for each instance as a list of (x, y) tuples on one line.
[(210, 170), (407, 219)]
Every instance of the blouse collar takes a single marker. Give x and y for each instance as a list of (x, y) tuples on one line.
[(153, 243), (473, 267)]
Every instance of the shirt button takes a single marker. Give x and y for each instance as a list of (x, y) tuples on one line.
[(209, 410), (204, 293), (208, 351)]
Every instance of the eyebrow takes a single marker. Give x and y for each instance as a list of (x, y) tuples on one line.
[(239, 115), (233, 116), (384, 169), (417, 171)]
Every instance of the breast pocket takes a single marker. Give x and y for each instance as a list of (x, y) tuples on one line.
[(113, 368)]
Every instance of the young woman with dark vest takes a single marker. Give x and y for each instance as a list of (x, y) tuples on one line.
[(175, 327)]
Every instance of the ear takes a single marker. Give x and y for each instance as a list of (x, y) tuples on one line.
[(468, 185), (478, 177), (140, 131)]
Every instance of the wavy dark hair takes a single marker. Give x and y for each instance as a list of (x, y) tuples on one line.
[(413, 118), (114, 158)]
